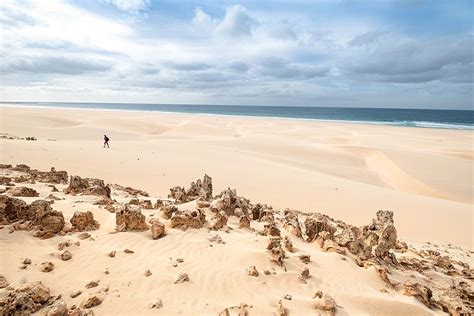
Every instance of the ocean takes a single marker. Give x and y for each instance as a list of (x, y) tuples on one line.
[(448, 119)]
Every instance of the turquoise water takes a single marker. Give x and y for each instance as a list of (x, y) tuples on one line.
[(451, 119)]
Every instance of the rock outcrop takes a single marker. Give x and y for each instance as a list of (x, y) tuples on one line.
[(184, 219), (157, 228), (87, 186), (25, 300), (199, 189), (130, 220), (23, 192), (84, 221)]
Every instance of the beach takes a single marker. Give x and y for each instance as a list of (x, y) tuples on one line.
[(346, 171)]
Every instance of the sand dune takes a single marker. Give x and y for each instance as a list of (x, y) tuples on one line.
[(346, 170)]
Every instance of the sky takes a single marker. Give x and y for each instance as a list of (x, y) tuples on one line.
[(384, 53)]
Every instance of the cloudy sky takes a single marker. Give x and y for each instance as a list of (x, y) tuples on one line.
[(400, 53)]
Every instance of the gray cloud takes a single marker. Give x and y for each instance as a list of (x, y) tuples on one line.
[(54, 65), (283, 69), (189, 66), (404, 60)]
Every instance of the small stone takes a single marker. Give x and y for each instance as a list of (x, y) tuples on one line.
[(93, 301), (148, 273), (27, 261), (305, 258), (252, 271), (75, 294), (105, 289), (266, 272), (47, 266), (92, 284), (128, 251), (156, 304), (179, 260), (66, 255), (83, 236), (112, 254), (183, 277), (287, 297)]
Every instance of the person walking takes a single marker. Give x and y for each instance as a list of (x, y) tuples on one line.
[(106, 141)]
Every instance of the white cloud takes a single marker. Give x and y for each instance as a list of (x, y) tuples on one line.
[(131, 6), (236, 22)]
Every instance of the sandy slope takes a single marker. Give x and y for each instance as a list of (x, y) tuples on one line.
[(347, 171), (218, 276)]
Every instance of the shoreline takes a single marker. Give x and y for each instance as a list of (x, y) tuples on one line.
[(421, 124)]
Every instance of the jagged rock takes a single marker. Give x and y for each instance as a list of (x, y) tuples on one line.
[(288, 244), (419, 291), (13, 209), (52, 176), (219, 221), (130, 220), (305, 258), (48, 221), (304, 274), (199, 189), (47, 266), (185, 219), (382, 236), (25, 300), (228, 201), (92, 301), (244, 222), (329, 245), (277, 254), (292, 223), (281, 311), (84, 221), (271, 230), (168, 211), (325, 303), (66, 255), (22, 168), (252, 271), (4, 166), (87, 186), (148, 273), (183, 277), (59, 308), (3, 282), (157, 228), (23, 192), (316, 224), (444, 262), (6, 181)]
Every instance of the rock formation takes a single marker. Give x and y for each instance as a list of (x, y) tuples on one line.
[(199, 189), (185, 219), (157, 228), (87, 186), (22, 191), (84, 221), (130, 220)]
